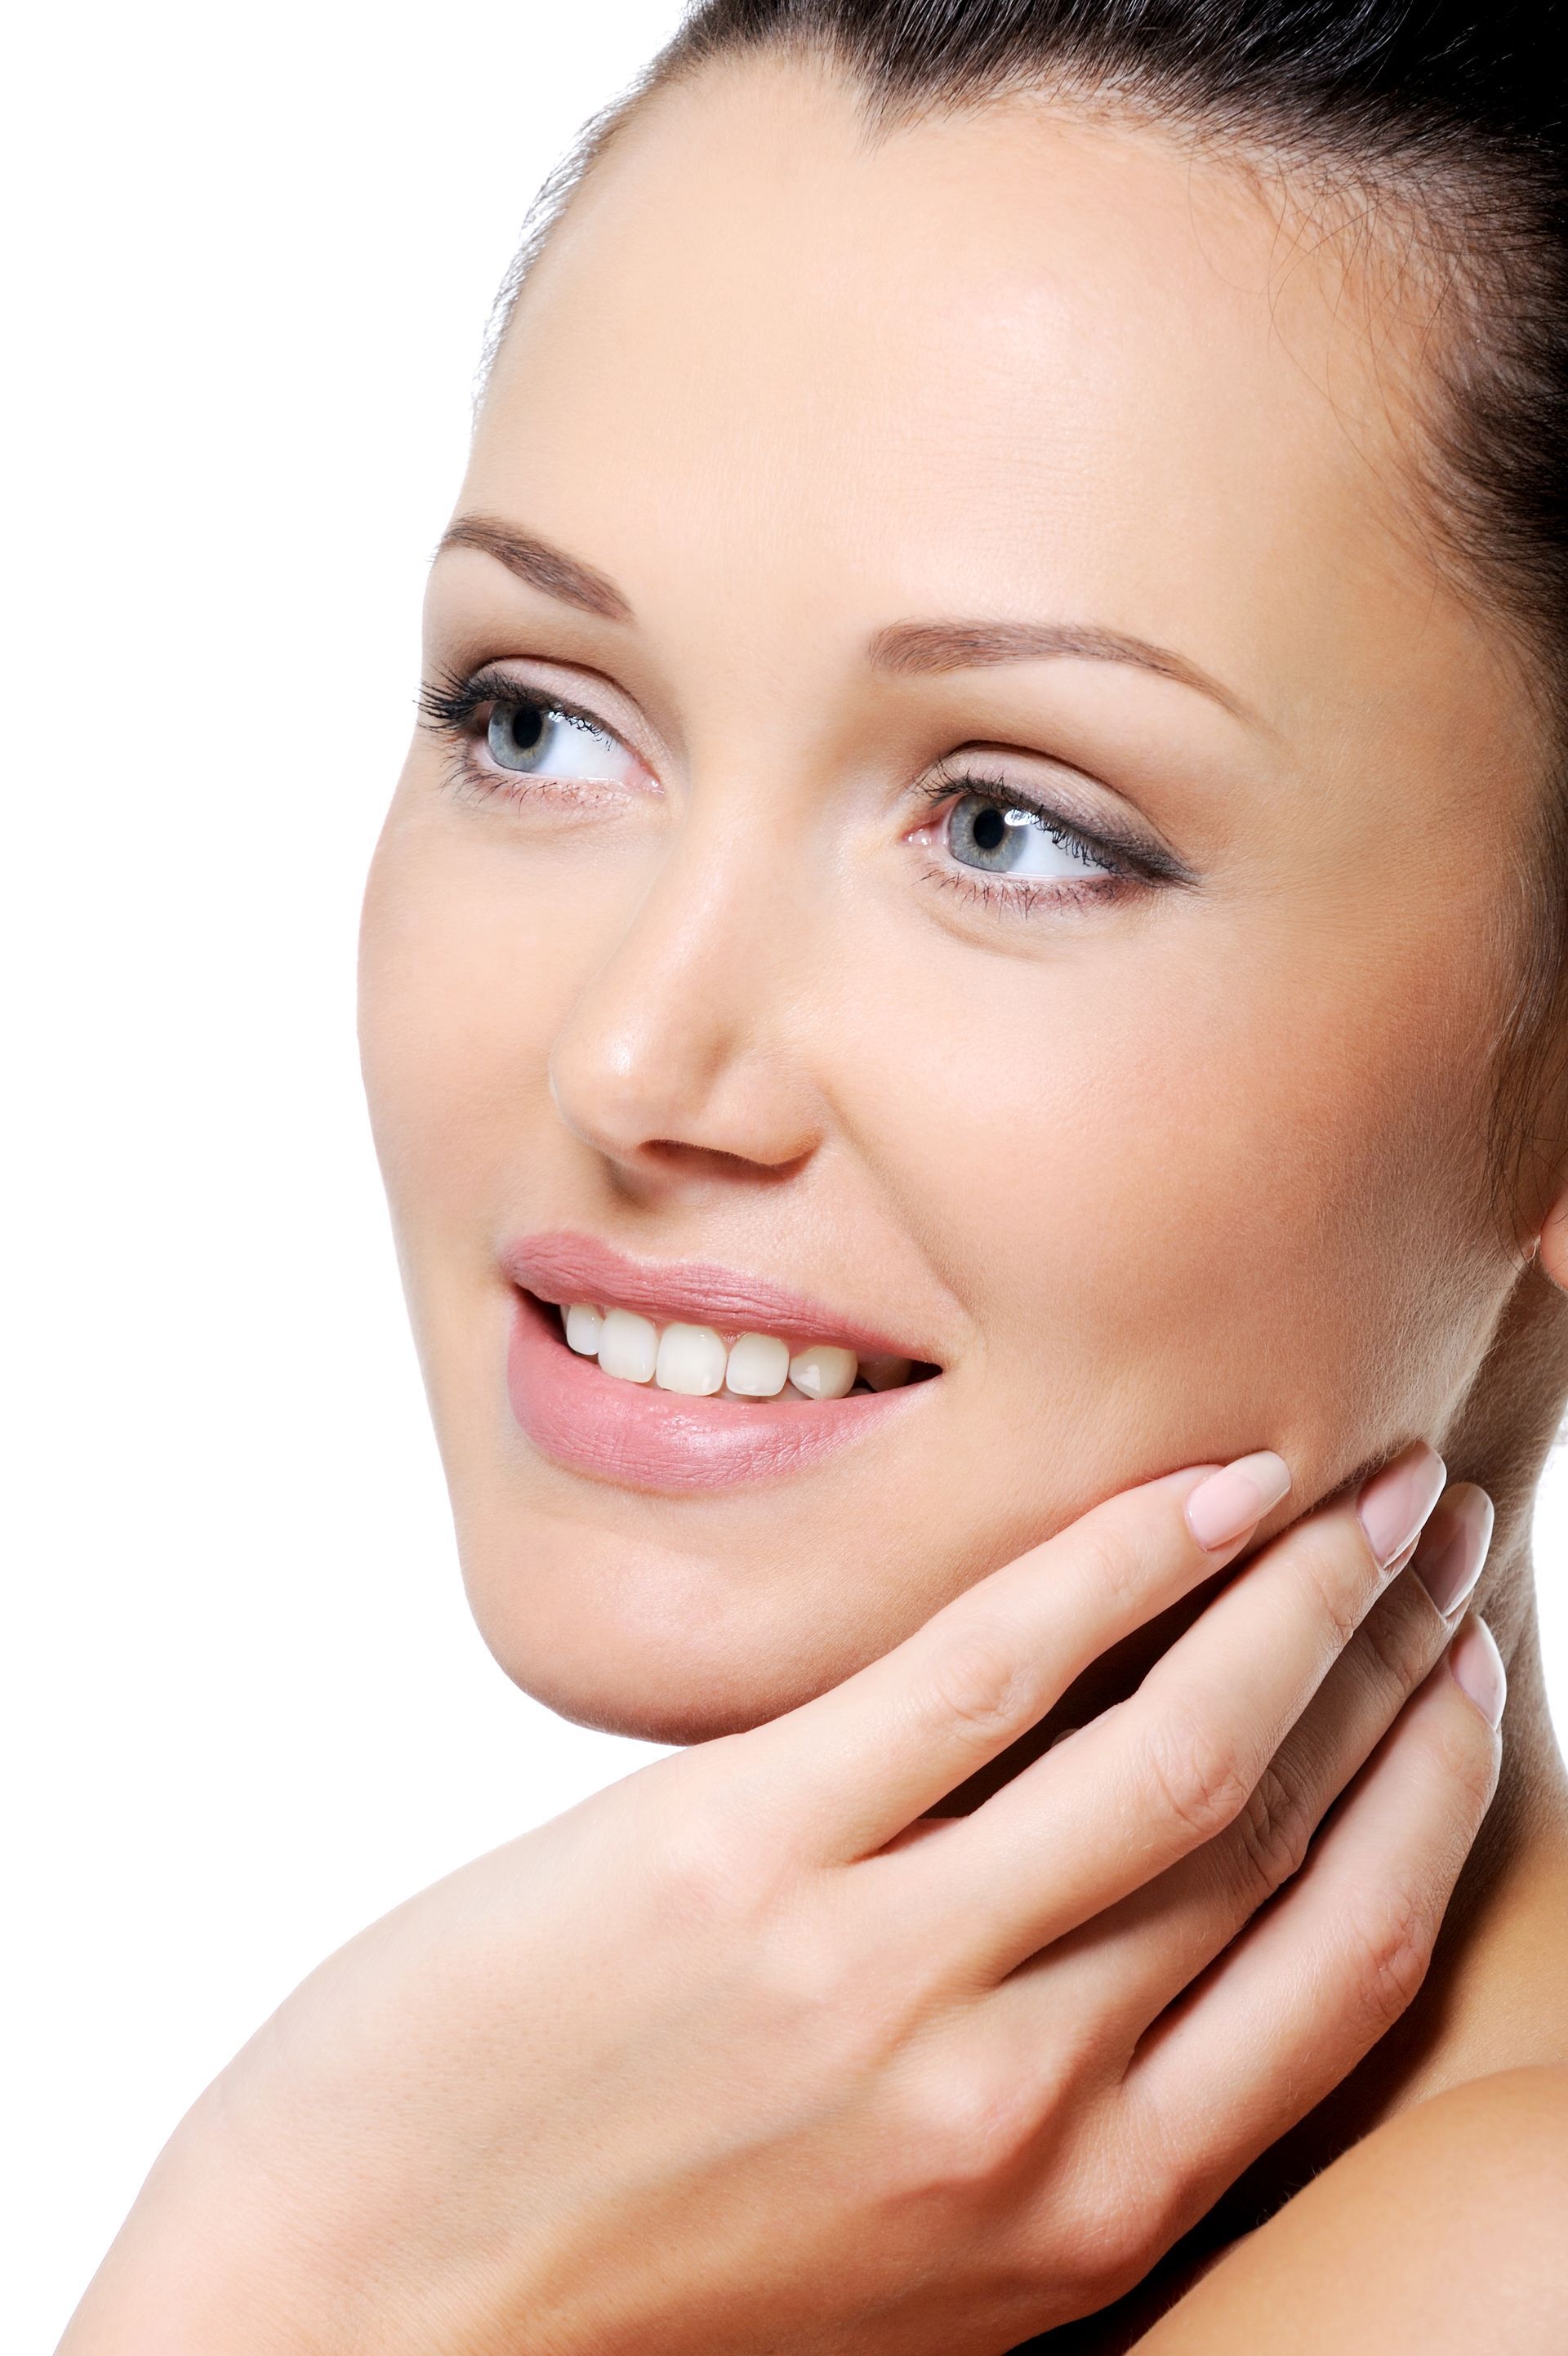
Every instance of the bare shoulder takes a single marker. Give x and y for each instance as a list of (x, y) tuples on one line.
[(1446, 2229)]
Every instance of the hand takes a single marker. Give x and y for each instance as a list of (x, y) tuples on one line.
[(746, 2053)]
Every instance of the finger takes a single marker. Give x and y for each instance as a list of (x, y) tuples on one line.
[(854, 1766), (1132, 1961), (1312, 1985), (1156, 1777)]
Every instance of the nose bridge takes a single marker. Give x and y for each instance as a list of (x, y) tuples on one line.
[(677, 1035)]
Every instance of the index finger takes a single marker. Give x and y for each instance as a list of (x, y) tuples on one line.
[(854, 1766)]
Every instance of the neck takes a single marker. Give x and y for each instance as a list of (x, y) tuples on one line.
[(1493, 1998)]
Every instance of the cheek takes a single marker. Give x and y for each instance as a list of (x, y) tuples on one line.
[(468, 969), (1190, 1216)]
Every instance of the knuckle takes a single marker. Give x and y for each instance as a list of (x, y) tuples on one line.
[(964, 2127), (1115, 2244), (1338, 1582), (1273, 1830), (1196, 1777), (1393, 1942), (703, 1870), (1110, 1555), (1111, 2218), (1147, 2200), (1468, 1761), (983, 1684), (808, 1972), (1399, 1640), (821, 2002), (1086, 2249)]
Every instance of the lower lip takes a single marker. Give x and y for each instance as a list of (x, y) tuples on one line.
[(643, 1438)]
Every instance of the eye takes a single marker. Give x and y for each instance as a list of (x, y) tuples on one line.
[(523, 744), (531, 737), (1005, 839)]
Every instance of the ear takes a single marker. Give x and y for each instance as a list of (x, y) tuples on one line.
[(1553, 1250)]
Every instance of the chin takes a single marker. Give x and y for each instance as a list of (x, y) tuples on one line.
[(669, 1702), (634, 1642)]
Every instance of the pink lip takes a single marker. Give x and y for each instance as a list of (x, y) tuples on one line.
[(643, 1438), (565, 1267)]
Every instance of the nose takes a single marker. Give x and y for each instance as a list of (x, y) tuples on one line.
[(675, 1062)]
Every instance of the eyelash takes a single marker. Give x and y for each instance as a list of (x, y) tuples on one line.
[(1022, 897), (451, 703)]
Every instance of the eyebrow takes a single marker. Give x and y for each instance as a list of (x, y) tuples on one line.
[(906, 648), (922, 647), (540, 564)]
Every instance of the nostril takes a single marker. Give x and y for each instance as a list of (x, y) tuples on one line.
[(679, 1160)]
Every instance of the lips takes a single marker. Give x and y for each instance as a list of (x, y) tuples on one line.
[(638, 1436), (565, 1266)]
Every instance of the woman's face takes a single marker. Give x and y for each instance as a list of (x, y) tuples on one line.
[(1013, 450)]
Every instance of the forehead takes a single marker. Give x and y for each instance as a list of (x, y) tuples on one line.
[(1010, 362)]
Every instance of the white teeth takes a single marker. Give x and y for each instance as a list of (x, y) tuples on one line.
[(584, 1325), (696, 1361), (628, 1347), (758, 1366), (823, 1371), (690, 1359)]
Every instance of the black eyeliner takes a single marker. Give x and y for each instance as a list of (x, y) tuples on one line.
[(1133, 852)]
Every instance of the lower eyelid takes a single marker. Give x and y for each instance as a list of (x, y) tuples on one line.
[(470, 778), (1020, 896)]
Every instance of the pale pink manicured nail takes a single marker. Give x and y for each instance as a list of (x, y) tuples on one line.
[(1394, 1503), (1453, 1547), (1227, 1506), (1478, 1670)]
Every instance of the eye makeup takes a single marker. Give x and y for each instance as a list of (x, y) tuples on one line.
[(984, 835)]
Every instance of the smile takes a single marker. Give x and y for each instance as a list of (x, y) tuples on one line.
[(608, 1377), (701, 1363)]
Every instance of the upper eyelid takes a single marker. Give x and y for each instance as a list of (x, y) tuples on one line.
[(1126, 853), (953, 773), (956, 765), (470, 695), (489, 681), (1004, 792)]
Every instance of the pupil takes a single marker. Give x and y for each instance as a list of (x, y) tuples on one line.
[(989, 829), (523, 735)]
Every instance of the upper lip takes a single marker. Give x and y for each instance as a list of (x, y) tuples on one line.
[(565, 1266)]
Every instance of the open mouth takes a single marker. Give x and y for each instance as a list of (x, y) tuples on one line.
[(706, 1361), (613, 1370)]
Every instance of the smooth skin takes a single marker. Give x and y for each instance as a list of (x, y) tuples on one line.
[(1159, 1175), (1464, 2191), (835, 2073)]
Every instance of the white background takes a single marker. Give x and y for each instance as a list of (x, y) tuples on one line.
[(254, 251)]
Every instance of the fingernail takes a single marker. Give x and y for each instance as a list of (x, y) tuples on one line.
[(1394, 1503), (1478, 1667), (1227, 1506), (1454, 1545)]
